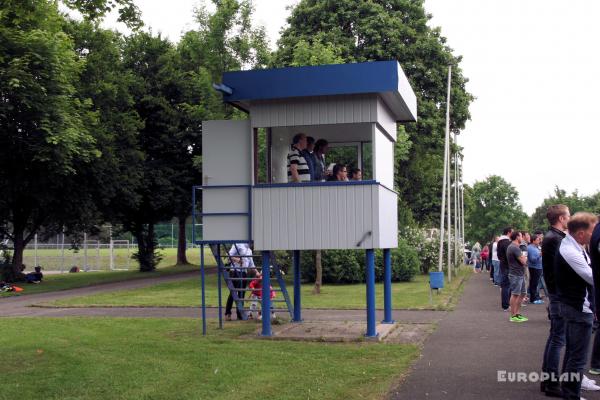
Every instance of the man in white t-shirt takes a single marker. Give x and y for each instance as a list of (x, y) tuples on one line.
[(495, 262)]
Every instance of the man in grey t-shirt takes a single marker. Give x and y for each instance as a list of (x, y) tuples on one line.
[(516, 275)]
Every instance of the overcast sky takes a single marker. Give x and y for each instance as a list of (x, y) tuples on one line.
[(533, 67)]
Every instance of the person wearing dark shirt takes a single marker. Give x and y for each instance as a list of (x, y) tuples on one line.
[(501, 248), (517, 261), (575, 291), (595, 256), (309, 156), (558, 216)]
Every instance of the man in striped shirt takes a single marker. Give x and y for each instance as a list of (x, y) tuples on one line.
[(297, 167)]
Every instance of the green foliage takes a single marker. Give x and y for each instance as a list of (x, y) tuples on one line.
[(426, 248), (348, 266), (405, 263), (574, 201), (95, 10), (495, 205), (315, 53), (45, 137), (365, 30)]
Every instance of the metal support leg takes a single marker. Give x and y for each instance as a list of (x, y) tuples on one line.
[(219, 271), (371, 330), (297, 287), (203, 294), (387, 287), (266, 293)]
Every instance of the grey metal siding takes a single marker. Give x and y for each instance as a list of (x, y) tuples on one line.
[(314, 217)]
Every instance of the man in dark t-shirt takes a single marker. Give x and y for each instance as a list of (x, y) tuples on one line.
[(517, 260), (503, 243)]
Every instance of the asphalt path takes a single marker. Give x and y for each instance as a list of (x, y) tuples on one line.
[(472, 345)]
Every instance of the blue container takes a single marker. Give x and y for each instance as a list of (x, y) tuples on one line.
[(436, 280)]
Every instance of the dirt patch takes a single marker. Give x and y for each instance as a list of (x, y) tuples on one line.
[(348, 331)]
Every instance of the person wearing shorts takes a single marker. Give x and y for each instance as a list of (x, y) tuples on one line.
[(517, 262)]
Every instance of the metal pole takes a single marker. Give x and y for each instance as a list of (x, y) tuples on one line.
[(85, 255), (35, 248), (62, 253), (370, 276), (203, 288), (266, 294), (456, 221), (297, 287), (443, 210), (447, 169), (387, 287), (219, 272)]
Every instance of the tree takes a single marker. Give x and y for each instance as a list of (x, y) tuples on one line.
[(495, 205), (44, 134), (574, 201), (222, 41), (367, 30)]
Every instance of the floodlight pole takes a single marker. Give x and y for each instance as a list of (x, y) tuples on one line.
[(445, 180), (456, 220), (449, 230)]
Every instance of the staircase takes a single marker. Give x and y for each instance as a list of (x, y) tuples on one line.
[(238, 285)]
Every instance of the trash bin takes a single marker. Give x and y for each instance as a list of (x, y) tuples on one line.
[(436, 280)]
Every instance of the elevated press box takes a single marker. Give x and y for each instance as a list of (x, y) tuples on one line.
[(353, 106)]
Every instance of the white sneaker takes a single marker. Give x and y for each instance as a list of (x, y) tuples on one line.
[(585, 378), (587, 384)]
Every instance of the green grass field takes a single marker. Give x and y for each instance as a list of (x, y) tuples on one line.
[(99, 259), (405, 295), (130, 359)]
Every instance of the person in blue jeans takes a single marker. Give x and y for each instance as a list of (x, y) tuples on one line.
[(495, 261), (575, 289), (534, 263), (558, 216)]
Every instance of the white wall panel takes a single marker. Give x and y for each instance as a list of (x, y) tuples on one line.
[(314, 217), (388, 219), (383, 158), (386, 119), (314, 111)]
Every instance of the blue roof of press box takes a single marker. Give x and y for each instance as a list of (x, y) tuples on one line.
[(384, 78)]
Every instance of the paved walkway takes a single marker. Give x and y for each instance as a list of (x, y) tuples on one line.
[(22, 306), (461, 359)]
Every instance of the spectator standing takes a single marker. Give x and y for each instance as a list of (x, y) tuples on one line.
[(297, 167), (526, 238), (308, 154), (595, 257), (558, 216), (319, 153), (517, 262), (485, 253), (575, 289), (240, 255), (476, 257), (495, 262), (534, 264), (503, 243)]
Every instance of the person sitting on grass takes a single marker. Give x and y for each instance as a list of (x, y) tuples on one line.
[(35, 277), (256, 296)]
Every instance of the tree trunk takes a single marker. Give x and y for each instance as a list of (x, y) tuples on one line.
[(15, 274), (146, 248), (181, 242), (319, 273)]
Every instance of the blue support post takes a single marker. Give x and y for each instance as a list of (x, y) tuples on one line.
[(203, 298), (219, 270), (297, 287), (387, 287), (266, 293), (371, 329)]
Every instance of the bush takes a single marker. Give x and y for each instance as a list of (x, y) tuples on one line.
[(348, 266), (405, 263), (426, 248)]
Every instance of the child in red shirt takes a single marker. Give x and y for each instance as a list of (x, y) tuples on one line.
[(256, 295)]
